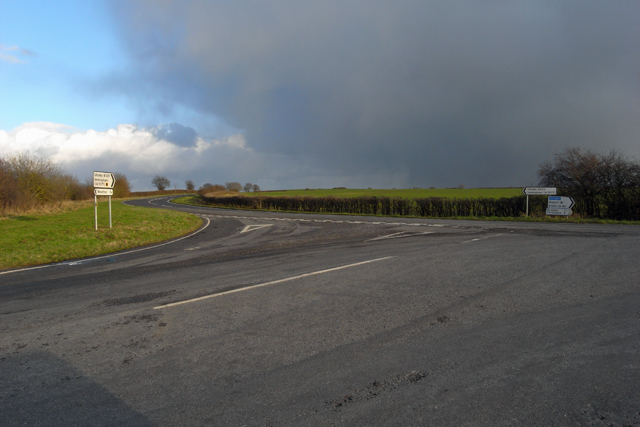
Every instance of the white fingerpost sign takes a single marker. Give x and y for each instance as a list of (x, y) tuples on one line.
[(538, 191), (103, 183)]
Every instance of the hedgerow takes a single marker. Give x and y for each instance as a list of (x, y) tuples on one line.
[(434, 207)]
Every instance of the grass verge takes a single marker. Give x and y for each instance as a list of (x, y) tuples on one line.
[(195, 201), (45, 238)]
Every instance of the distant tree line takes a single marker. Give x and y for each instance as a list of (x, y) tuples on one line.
[(232, 187), (28, 182), (162, 182)]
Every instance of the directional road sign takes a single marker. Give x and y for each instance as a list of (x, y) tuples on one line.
[(103, 192), (106, 180), (536, 191), (559, 202), (559, 211)]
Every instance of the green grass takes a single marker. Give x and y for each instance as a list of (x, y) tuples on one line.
[(44, 238), (448, 193)]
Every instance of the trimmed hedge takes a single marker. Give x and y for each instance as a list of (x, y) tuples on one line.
[(372, 205), (625, 207)]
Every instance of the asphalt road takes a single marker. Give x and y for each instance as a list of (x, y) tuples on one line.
[(265, 319)]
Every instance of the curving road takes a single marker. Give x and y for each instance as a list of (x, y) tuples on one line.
[(265, 319)]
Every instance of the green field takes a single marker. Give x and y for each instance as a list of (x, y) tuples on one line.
[(447, 193), (44, 238)]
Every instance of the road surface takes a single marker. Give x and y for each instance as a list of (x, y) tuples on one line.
[(271, 319)]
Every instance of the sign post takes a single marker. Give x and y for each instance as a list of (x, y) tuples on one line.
[(103, 183), (558, 205), (537, 191)]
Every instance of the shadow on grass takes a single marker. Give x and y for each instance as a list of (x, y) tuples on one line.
[(23, 218)]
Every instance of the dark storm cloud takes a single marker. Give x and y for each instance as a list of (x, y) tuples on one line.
[(176, 133), (412, 93)]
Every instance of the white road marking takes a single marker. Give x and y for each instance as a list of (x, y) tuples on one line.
[(246, 288), (110, 255), (386, 237), (333, 221), (254, 227), (399, 235), (482, 238)]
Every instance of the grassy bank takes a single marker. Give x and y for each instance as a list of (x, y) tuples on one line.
[(42, 238)]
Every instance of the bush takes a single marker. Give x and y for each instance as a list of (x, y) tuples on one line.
[(28, 182), (122, 188)]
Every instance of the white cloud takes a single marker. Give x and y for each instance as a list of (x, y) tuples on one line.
[(140, 154), (127, 148), (12, 58)]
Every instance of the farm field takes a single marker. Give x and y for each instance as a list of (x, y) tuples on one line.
[(447, 193)]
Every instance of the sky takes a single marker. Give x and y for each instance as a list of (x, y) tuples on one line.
[(302, 94)]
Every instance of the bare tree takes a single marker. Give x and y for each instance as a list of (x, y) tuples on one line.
[(599, 181), (161, 182), (35, 176), (190, 185), (122, 188), (233, 186), (27, 181), (621, 179), (576, 171), (247, 187), (10, 194), (256, 188), (210, 188)]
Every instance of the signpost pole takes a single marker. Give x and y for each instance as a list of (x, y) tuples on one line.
[(103, 183), (95, 209), (537, 191)]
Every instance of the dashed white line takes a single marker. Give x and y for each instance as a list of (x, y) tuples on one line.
[(246, 288), (333, 221), (385, 237), (399, 235), (482, 238)]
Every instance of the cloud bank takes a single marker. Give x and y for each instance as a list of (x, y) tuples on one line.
[(422, 92), (141, 153), (172, 150)]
